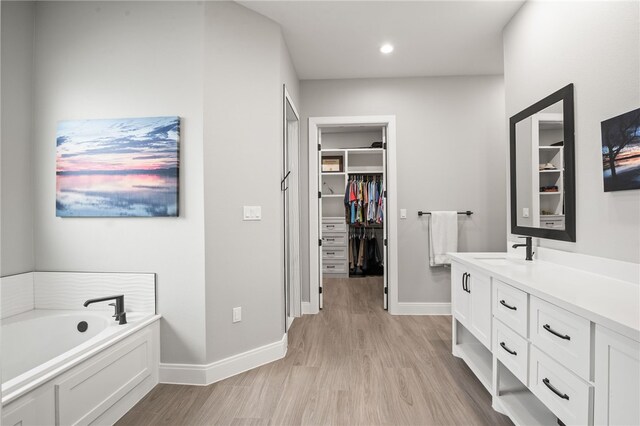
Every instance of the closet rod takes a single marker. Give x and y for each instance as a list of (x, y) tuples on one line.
[(468, 213)]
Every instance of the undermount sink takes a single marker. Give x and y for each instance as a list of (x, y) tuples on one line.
[(501, 261)]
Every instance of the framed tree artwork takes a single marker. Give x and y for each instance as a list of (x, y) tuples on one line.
[(621, 151)]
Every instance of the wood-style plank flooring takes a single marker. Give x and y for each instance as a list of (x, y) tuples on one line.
[(352, 364)]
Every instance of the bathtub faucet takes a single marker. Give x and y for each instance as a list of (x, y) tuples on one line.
[(121, 315)]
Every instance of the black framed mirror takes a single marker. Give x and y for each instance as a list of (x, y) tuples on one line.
[(542, 168)]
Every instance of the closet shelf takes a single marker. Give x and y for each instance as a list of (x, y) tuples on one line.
[(365, 172), (551, 171), (549, 192), (332, 195), (332, 173)]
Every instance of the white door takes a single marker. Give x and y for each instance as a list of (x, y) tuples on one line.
[(479, 291), (320, 286), (290, 189), (617, 379), (459, 295), (385, 227)]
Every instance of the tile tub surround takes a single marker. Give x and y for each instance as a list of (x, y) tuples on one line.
[(69, 290)]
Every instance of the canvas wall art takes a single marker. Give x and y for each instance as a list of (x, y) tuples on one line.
[(117, 167), (621, 151)]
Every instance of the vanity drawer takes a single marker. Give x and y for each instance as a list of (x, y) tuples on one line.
[(564, 336), (334, 227), (565, 394), (334, 240), (335, 267), (334, 253), (512, 350), (510, 306)]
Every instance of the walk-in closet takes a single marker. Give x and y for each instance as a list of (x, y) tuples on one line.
[(352, 179)]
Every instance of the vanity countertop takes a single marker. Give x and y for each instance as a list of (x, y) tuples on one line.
[(612, 303)]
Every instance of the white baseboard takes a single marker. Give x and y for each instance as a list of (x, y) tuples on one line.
[(407, 308), (206, 374), (307, 309)]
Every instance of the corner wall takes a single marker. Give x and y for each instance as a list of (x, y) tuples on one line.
[(246, 63), (16, 166), (594, 45), (451, 155)]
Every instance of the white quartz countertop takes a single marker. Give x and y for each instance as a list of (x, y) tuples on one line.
[(610, 302)]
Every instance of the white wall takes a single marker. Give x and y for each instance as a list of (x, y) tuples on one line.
[(16, 169), (451, 155), (246, 64), (121, 59), (595, 46)]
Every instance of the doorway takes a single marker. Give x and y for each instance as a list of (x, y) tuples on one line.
[(291, 209), (352, 171)]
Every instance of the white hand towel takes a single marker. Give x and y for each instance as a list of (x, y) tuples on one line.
[(443, 237)]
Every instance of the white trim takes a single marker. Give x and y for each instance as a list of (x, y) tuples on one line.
[(392, 202), (206, 374), (307, 308), (407, 308)]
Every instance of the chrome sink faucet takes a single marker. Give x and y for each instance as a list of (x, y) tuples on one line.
[(529, 247), (120, 315)]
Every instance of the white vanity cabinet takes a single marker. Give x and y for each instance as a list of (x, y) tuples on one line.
[(617, 378), (552, 344), (471, 301)]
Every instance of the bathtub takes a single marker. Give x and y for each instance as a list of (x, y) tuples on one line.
[(43, 351)]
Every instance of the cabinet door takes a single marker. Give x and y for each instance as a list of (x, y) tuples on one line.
[(479, 287), (617, 379), (459, 297)]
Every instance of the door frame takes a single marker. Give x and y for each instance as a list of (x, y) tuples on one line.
[(287, 99), (315, 123)]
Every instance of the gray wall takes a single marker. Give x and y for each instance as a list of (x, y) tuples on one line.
[(246, 64), (119, 59), (595, 46), (16, 168), (451, 155)]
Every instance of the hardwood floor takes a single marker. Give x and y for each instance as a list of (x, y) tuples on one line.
[(352, 364)]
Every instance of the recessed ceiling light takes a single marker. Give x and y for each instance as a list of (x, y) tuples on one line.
[(386, 48)]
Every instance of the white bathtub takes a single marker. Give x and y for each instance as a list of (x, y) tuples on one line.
[(40, 346)]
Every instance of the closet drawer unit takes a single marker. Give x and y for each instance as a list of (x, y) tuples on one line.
[(337, 253), (334, 240), (335, 267), (564, 393), (512, 350), (334, 227), (510, 306), (554, 222), (564, 336)]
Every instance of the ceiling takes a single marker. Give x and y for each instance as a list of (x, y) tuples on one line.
[(341, 39)]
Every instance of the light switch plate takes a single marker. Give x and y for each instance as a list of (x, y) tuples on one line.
[(525, 212), (252, 213), (237, 314), (403, 213)]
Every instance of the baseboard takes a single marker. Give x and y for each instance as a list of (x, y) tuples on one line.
[(307, 309), (206, 374), (407, 308)]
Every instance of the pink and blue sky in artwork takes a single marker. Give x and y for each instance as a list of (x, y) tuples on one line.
[(117, 167)]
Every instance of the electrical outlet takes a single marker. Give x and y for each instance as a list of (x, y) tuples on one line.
[(525, 212), (403, 213), (237, 314)]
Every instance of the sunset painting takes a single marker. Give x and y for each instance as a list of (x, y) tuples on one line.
[(117, 167), (621, 151)]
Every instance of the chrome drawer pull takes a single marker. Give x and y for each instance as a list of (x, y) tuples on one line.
[(330, 239), (331, 252), (331, 266), (507, 349), (330, 226), (503, 303), (554, 390), (555, 333)]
